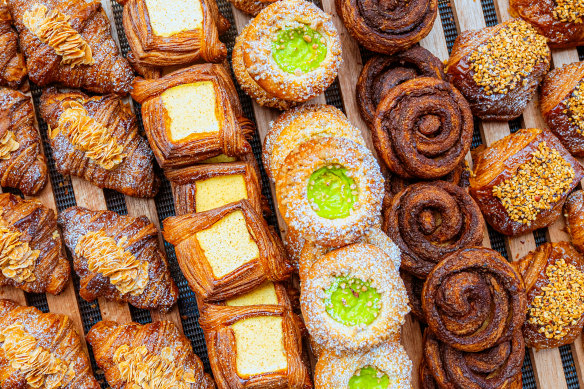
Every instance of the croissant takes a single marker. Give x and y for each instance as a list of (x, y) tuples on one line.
[(12, 64), (154, 355), (22, 164), (574, 214), (561, 22), (96, 138), (521, 181), (562, 105), (70, 42), (208, 92), (41, 350), (118, 257), (499, 68)]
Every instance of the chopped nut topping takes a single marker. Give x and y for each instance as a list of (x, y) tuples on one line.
[(105, 256), (53, 29), (17, 260), (503, 62), (40, 367), (537, 185), (575, 107), (8, 144), (90, 136), (569, 11), (561, 303), (141, 369)]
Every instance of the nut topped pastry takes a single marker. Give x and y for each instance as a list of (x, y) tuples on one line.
[(499, 68), (521, 181), (12, 63), (574, 214)]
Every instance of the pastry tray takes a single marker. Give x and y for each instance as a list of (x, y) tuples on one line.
[(557, 368)]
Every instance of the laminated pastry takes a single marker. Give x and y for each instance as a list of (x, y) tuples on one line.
[(352, 300), (200, 188), (423, 128), (385, 366), (252, 7), (414, 287), (12, 64), (31, 255), (521, 181), (288, 54), (162, 33), (574, 214), (22, 163), (457, 282), (330, 190), (298, 125), (380, 74), (560, 21), (97, 139), (41, 350), (554, 280), (154, 355), (226, 251), (499, 68), (430, 220), (193, 114), (118, 258), (69, 42), (388, 27), (498, 367), (562, 105)]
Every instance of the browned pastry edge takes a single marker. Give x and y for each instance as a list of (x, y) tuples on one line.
[(252, 7), (12, 63), (574, 216), (414, 287)]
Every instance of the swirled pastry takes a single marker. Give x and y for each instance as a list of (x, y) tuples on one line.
[(41, 350), (560, 21), (385, 366), (499, 68), (422, 128), (388, 27), (451, 296), (554, 281), (330, 190), (97, 139), (118, 257), (414, 287), (22, 163), (193, 114), (521, 181), (69, 42), (12, 64), (287, 55), (574, 214), (351, 300), (154, 355), (162, 33), (380, 74), (562, 105), (300, 124)]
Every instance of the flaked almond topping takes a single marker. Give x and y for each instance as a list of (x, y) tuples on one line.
[(89, 136), (537, 185), (571, 11), (40, 367), (141, 369), (121, 267), (561, 303), (8, 144), (53, 29), (575, 107), (17, 259)]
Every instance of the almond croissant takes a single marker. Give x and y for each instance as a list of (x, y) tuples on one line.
[(12, 65), (118, 257)]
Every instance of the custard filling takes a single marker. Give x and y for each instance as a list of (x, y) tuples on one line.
[(299, 49), (369, 377), (352, 301), (331, 192)]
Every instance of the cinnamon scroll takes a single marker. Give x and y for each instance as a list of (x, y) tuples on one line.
[(12, 63)]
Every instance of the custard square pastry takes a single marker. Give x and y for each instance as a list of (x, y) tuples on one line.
[(193, 114), (226, 251)]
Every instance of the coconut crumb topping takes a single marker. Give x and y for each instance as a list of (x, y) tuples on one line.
[(570, 11), (53, 29), (8, 144), (17, 259), (121, 267)]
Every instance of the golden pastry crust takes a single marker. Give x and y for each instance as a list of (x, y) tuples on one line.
[(258, 73), (97, 139), (22, 163), (298, 125), (252, 7), (297, 211), (505, 171), (119, 258), (158, 351), (388, 28), (574, 214), (12, 64), (56, 344), (233, 127)]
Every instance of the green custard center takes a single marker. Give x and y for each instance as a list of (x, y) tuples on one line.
[(331, 192), (352, 301), (369, 378), (298, 48)]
